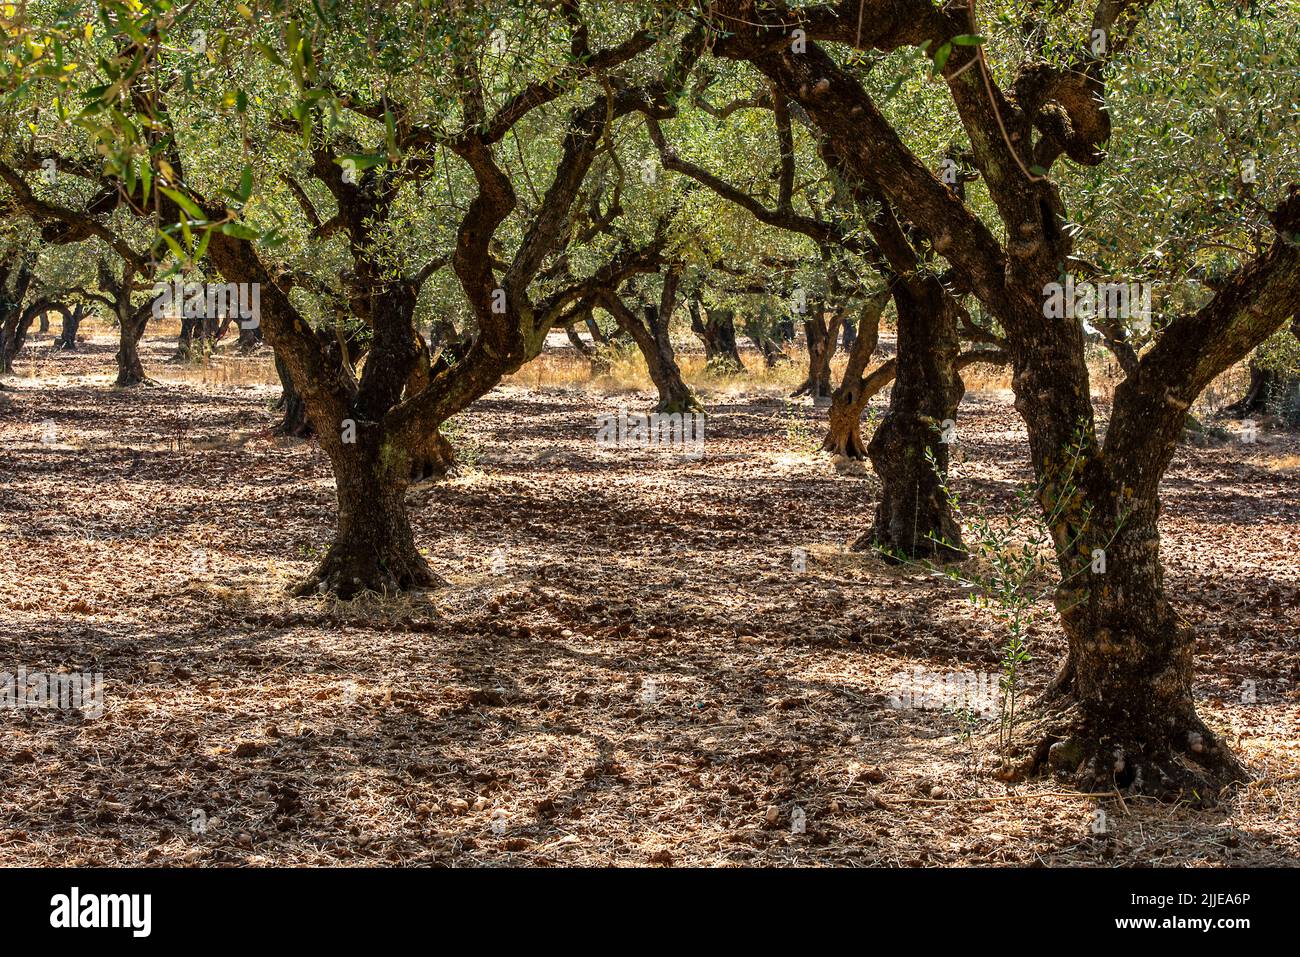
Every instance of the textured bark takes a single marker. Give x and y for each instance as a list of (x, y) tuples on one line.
[(822, 335), (130, 370), (14, 318), (13, 334), (1065, 105), (374, 546), (651, 337), (68, 332), (295, 423), (433, 457), (1123, 705), (844, 435), (716, 328), (396, 428), (913, 517)]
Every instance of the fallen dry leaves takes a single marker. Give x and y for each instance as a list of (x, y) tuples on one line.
[(638, 678)]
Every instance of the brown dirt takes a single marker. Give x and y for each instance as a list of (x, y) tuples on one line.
[(626, 669)]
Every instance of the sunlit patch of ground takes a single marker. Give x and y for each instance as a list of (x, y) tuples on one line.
[(641, 659)]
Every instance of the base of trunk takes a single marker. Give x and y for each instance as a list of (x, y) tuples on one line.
[(294, 425), (1172, 757), (434, 461), (844, 439), (349, 568), (912, 520), (685, 404), (129, 379), (844, 423)]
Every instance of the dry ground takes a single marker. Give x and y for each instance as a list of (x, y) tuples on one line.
[(626, 669)]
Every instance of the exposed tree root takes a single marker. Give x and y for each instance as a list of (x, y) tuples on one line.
[(686, 405), (348, 570), (1180, 760)]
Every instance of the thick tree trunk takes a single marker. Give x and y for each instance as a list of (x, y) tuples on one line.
[(822, 336), (13, 333), (1122, 706), (1128, 703), (651, 337), (130, 371), (844, 435), (910, 448), (374, 547), (674, 394), (295, 423), (71, 323), (717, 330)]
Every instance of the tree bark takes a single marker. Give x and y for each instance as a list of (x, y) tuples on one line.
[(374, 546), (14, 318), (822, 336), (433, 457), (1125, 644), (68, 332), (130, 370), (295, 423), (13, 333), (717, 330), (909, 451), (651, 337), (844, 435), (1125, 695)]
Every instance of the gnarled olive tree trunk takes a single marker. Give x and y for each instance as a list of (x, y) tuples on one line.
[(130, 370), (295, 423), (68, 331), (374, 547), (844, 434), (651, 337), (822, 335), (716, 328), (909, 451)]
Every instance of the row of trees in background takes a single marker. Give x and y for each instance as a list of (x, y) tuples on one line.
[(497, 170)]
